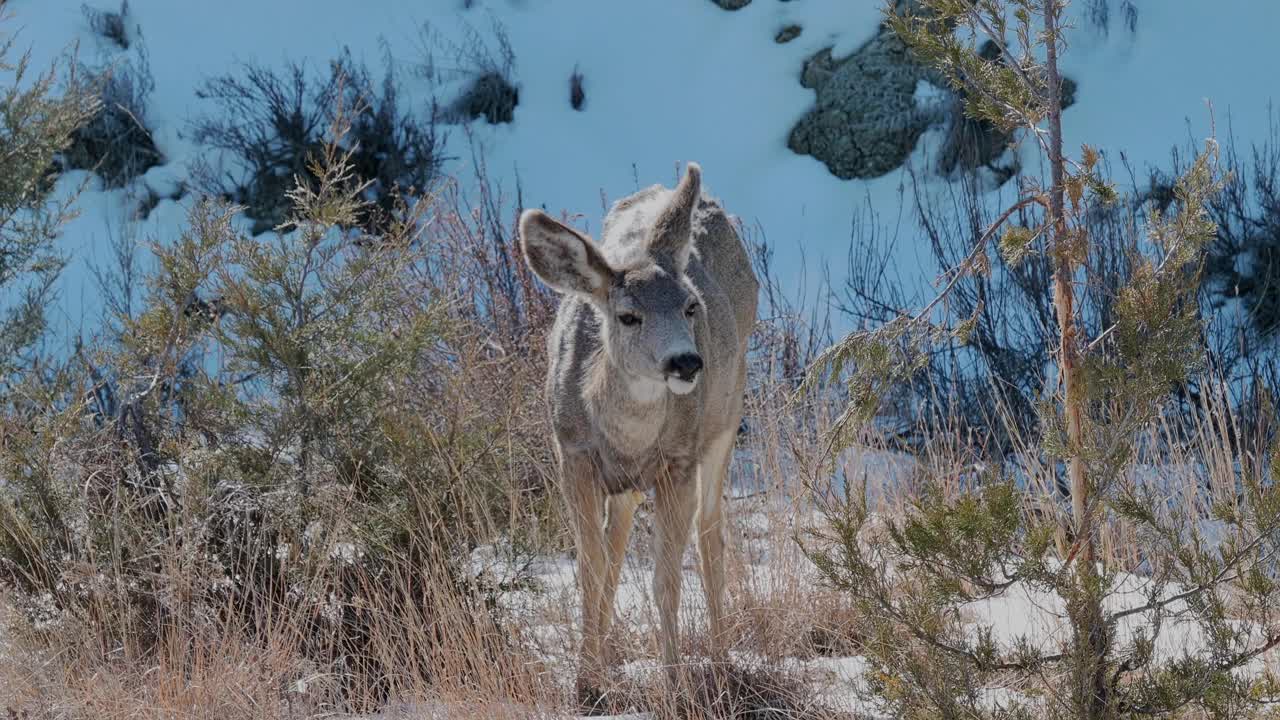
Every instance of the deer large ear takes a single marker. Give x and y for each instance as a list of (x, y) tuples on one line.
[(672, 236), (562, 257)]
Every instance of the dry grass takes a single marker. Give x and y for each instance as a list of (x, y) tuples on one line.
[(714, 691), (449, 651), (425, 641)]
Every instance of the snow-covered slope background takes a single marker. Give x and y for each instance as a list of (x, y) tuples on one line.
[(666, 81)]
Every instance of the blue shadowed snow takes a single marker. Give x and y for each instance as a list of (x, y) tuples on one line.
[(666, 81)]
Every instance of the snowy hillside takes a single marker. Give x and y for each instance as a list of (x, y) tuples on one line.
[(665, 81)]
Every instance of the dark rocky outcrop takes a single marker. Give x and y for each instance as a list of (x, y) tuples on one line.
[(972, 143), (865, 121)]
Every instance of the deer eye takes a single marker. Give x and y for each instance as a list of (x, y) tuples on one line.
[(691, 310), (629, 319)]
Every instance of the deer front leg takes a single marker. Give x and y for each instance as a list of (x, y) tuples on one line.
[(676, 500), (622, 511), (711, 476), (585, 502)]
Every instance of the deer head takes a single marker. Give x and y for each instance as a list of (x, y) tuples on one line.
[(647, 307)]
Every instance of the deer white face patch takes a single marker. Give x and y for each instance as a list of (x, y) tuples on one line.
[(681, 387)]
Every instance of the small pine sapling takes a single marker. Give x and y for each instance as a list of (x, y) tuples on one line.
[(974, 540)]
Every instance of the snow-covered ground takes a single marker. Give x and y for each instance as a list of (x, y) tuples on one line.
[(771, 567), (666, 81)]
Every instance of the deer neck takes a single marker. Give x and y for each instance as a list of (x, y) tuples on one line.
[(628, 410)]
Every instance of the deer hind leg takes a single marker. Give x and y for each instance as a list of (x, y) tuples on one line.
[(676, 500), (711, 477), (621, 514), (585, 501)]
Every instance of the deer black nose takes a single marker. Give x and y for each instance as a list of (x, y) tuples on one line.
[(684, 366)]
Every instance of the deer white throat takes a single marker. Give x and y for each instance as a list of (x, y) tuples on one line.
[(645, 391)]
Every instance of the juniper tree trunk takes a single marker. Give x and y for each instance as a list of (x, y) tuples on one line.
[(1064, 297), (1085, 609)]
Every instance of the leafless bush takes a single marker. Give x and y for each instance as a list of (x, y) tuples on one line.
[(119, 280), (482, 70), (394, 148), (270, 124), (1245, 259), (112, 25), (116, 143)]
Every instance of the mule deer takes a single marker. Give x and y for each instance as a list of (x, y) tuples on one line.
[(645, 388)]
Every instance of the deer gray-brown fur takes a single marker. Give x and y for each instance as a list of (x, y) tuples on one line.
[(645, 388)]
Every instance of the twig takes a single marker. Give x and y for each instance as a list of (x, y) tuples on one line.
[(958, 271)]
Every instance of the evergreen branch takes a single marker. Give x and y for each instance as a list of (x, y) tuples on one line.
[(1247, 655), (990, 586), (996, 38), (1210, 584), (1159, 273), (1228, 665), (974, 86), (966, 654)]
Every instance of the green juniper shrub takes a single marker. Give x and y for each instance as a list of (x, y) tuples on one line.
[(271, 440), (37, 124)]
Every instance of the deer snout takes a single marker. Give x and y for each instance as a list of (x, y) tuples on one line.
[(685, 366)]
